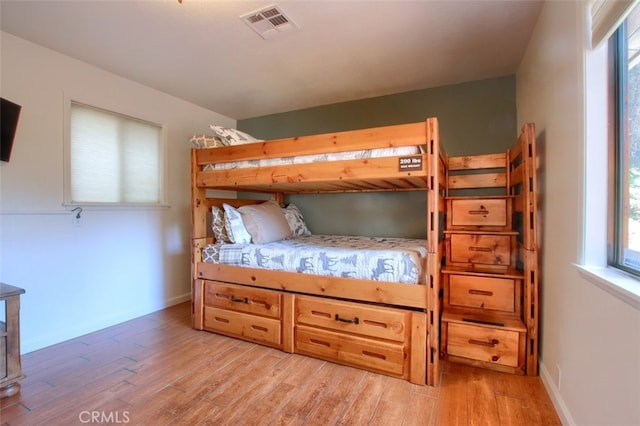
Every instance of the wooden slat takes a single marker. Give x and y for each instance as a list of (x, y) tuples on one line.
[(517, 176), (353, 140), (347, 288), (471, 162), (485, 180)]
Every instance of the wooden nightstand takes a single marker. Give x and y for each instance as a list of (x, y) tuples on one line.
[(10, 363)]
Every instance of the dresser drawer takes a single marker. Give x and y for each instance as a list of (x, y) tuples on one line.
[(374, 355), (483, 344), (242, 299), (256, 328), (383, 323), (482, 249), (478, 212), (482, 292)]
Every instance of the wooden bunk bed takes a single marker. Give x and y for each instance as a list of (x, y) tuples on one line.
[(397, 324), (382, 326)]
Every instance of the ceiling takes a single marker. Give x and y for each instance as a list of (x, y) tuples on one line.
[(201, 51)]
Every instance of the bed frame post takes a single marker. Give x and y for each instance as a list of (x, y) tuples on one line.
[(435, 204), (198, 233)]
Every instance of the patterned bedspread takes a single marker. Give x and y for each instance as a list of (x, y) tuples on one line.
[(398, 260), (317, 158)]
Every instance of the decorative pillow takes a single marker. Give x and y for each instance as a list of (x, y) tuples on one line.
[(219, 226), (233, 136), (235, 227), (296, 221), (211, 253), (206, 141), (265, 222)]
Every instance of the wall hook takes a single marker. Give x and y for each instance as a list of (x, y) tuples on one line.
[(78, 211)]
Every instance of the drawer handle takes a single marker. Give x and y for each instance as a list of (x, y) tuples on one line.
[(490, 344), (260, 302), (495, 358), (242, 300), (482, 211), (481, 292), (320, 342), (375, 323), (485, 249), (352, 321), (374, 355)]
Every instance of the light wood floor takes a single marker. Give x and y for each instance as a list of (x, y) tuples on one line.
[(156, 370)]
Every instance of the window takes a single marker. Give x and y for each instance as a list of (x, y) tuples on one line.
[(113, 159), (625, 226)]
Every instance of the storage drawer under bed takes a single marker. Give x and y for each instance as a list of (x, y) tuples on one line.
[(242, 299), (356, 318), (253, 327), (353, 350)]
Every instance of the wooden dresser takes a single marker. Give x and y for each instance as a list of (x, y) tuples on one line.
[(10, 364)]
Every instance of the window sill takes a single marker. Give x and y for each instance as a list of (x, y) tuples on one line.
[(617, 283)]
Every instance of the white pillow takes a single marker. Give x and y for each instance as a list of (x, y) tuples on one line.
[(296, 221), (235, 227), (265, 222), (233, 136)]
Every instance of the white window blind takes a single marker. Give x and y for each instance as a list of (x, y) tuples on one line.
[(114, 159), (606, 17)]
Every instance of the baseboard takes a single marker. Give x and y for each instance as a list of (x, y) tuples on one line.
[(556, 398), (178, 299), (30, 345)]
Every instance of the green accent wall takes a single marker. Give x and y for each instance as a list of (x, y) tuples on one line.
[(477, 117)]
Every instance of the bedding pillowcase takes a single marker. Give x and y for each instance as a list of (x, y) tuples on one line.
[(218, 225), (206, 141), (233, 136), (296, 221), (235, 226), (265, 222)]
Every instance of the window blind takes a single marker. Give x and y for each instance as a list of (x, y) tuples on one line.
[(606, 17), (114, 159)]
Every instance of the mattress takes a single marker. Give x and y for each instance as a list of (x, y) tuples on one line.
[(398, 260), (315, 158)]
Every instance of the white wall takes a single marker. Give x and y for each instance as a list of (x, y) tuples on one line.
[(592, 336), (120, 263)]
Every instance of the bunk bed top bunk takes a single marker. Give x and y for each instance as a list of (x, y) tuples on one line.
[(401, 163)]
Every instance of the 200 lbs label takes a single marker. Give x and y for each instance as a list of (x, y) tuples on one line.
[(410, 163)]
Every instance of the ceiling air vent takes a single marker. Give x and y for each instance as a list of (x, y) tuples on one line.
[(269, 22)]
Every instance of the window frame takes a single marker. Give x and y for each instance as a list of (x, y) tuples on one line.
[(598, 176), (619, 214), (162, 152)]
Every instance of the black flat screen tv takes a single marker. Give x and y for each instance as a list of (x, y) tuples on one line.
[(9, 115)]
